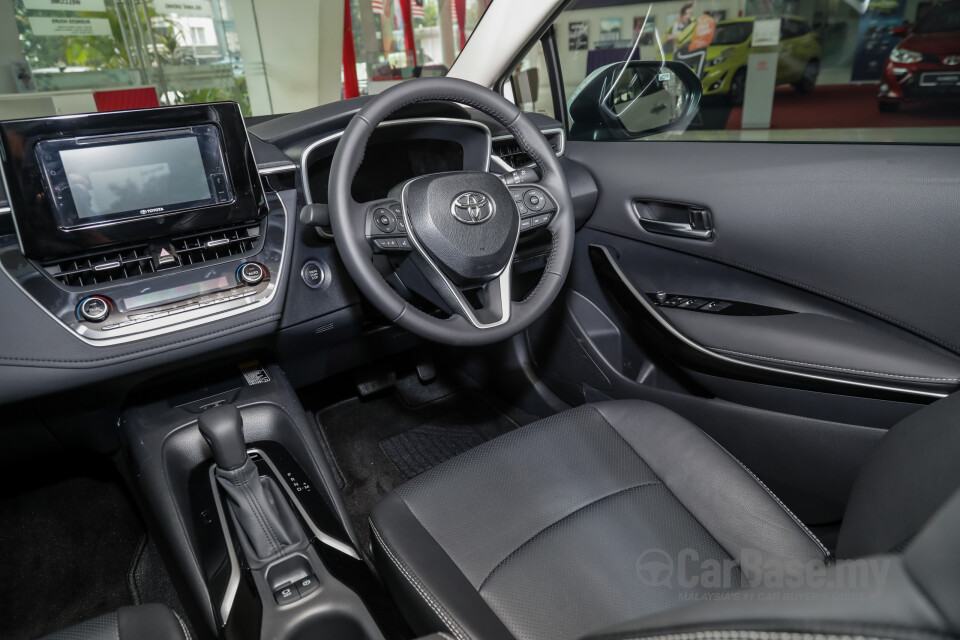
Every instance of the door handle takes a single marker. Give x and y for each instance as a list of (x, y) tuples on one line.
[(674, 219)]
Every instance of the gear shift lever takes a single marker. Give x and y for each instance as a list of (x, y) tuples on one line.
[(222, 428), (258, 505)]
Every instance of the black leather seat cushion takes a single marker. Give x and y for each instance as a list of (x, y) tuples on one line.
[(144, 622), (541, 533)]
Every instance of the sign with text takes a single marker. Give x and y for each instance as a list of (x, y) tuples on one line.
[(70, 26), (64, 5), (186, 8), (766, 33)]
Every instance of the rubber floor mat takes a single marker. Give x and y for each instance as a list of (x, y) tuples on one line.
[(425, 446)]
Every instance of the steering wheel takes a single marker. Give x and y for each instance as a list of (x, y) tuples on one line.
[(461, 228)]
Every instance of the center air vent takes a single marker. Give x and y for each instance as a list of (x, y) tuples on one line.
[(510, 152), (138, 260)]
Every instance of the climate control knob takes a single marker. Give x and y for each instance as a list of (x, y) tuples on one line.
[(251, 273), (94, 309)]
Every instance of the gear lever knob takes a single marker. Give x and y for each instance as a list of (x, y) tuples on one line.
[(222, 428)]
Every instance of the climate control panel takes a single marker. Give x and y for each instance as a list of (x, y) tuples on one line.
[(153, 303)]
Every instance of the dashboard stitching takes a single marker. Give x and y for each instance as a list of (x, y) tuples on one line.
[(258, 321)]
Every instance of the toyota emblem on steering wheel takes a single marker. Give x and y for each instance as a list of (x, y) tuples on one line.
[(471, 207)]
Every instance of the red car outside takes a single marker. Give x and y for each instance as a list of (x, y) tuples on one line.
[(926, 63)]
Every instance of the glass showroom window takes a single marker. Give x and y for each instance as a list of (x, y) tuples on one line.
[(804, 70), (90, 55)]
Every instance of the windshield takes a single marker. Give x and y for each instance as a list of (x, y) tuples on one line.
[(940, 19), (732, 33), (98, 55)]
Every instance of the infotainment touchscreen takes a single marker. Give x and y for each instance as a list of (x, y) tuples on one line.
[(81, 182), (103, 179)]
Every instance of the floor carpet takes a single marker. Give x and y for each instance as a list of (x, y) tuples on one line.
[(66, 546), (380, 443)]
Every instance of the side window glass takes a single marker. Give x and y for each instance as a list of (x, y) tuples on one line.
[(529, 84), (778, 70)]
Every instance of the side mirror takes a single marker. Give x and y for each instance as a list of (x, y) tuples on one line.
[(901, 30), (625, 101)]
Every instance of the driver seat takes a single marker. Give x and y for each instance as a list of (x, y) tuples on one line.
[(624, 514)]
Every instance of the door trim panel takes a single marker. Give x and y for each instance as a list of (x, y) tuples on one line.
[(693, 355)]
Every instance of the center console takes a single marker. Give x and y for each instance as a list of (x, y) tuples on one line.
[(133, 224), (254, 523)]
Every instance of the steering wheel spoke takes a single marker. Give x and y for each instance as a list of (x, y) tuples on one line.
[(386, 228)]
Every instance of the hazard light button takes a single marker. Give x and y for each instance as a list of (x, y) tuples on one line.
[(164, 256)]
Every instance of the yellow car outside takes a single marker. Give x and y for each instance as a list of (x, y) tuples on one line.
[(883, 6), (722, 66)]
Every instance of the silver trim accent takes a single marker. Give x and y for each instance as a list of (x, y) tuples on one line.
[(106, 266), (197, 317), (333, 543), (507, 136), (5, 210), (233, 583), (500, 282), (709, 352), (280, 168), (473, 209), (217, 243), (387, 123)]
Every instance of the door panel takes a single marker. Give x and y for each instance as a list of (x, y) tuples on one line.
[(837, 262), (872, 227)]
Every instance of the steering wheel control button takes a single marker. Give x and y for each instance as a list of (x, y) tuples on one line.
[(387, 243), (385, 220), (535, 200), (312, 274), (94, 309), (286, 595), (251, 273), (307, 585)]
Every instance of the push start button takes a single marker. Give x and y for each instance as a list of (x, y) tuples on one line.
[(312, 274)]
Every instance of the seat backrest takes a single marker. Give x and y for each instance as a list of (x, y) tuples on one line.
[(911, 473)]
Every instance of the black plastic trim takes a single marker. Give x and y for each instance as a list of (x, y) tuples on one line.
[(691, 355)]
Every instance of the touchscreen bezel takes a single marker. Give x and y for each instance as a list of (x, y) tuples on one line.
[(42, 234), (59, 189)]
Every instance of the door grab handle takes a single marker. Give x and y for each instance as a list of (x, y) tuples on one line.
[(679, 229), (697, 226)]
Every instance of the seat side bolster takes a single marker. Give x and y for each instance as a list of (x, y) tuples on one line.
[(100, 628), (150, 622), (729, 501), (425, 581)]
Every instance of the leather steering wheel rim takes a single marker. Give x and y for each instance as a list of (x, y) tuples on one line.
[(356, 253)]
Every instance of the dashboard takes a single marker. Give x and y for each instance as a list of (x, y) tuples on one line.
[(131, 241)]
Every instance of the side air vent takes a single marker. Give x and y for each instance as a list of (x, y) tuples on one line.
[(137, 260), (510, 152)]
